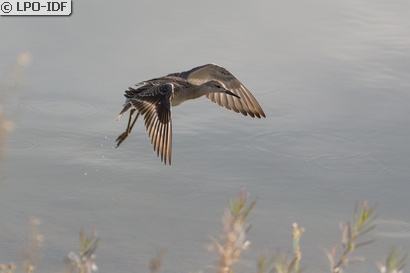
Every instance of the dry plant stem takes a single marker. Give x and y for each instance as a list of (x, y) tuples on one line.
[(297, 234), (7, 269), (33, 246), (8, 83), (234, 240), (157, 262), (282, 263)]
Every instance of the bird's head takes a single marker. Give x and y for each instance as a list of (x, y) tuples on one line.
[(217, 87)]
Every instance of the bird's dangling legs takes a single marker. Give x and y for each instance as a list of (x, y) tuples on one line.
[(130, 125)]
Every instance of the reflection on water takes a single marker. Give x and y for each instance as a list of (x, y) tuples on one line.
[(332, 78)]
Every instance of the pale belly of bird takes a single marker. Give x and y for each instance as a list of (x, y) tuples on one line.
[(188, 94)]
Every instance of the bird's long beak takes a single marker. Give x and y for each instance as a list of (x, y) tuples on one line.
[(232, 94)]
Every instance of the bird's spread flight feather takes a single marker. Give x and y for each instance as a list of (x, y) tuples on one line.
[(153, 100)]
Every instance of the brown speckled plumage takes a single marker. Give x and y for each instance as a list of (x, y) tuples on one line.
[(154, 98)]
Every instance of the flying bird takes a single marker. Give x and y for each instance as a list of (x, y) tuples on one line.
[(154, 98)]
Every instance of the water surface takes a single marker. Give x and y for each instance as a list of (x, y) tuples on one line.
[(332, 78)]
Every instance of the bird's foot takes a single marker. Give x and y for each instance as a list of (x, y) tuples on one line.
[(121, 138)]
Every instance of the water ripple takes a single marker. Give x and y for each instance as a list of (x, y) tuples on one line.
[(123, 184), (349, 162), (67, 107), (393, 228), (20, 144), (318, 150)]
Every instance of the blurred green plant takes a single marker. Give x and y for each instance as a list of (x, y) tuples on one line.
[(85, 262), (283, 263), (394, 263), (351, 232), (232, 243)]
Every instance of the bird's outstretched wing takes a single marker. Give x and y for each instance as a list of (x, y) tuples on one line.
[(247, 104), (154, 104)]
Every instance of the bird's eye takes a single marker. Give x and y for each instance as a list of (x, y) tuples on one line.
[(217, 86)]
